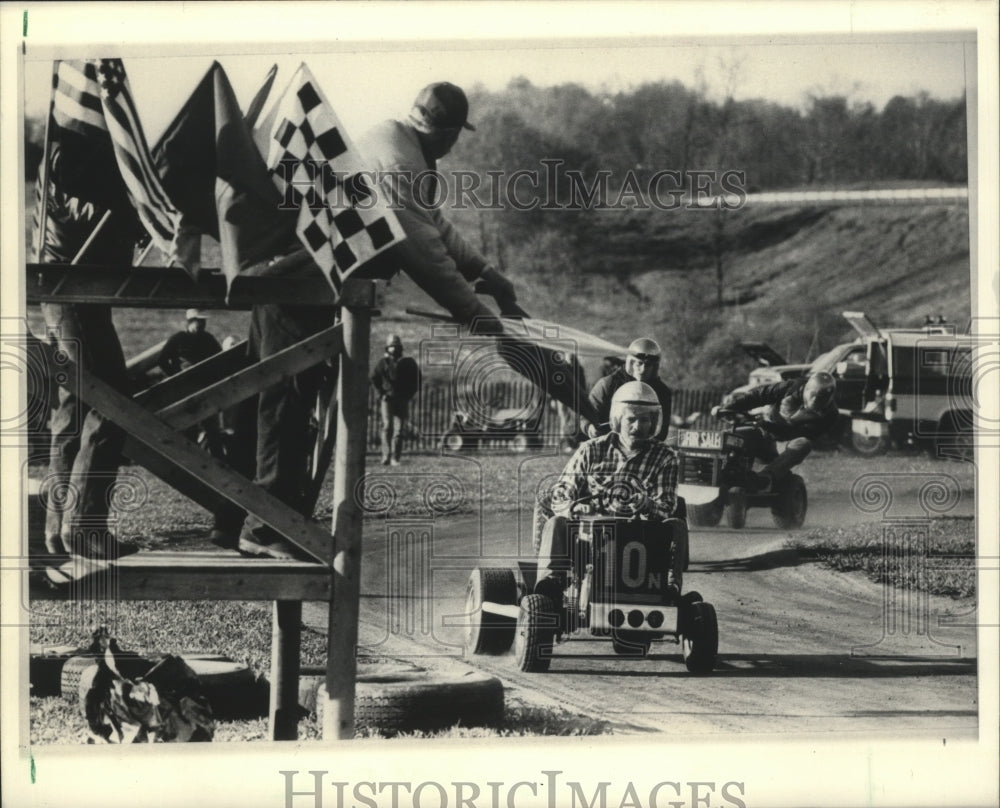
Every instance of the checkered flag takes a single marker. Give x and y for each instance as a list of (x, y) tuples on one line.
[(342, 221)]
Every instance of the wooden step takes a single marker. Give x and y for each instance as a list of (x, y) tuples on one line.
[(187, 575)]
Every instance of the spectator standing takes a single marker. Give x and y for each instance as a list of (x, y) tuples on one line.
[(188, 347), (396, 379)]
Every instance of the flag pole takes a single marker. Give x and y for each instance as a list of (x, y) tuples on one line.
[(43, 214), (142, 255), (90, 239)]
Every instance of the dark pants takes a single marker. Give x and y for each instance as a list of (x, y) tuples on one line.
[(284, 438), (762, 445), (394, 414), (86, 447)]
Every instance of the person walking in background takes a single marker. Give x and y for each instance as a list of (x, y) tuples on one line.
[(396, 379)]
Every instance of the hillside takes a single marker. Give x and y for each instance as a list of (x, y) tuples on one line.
[(788, 273)]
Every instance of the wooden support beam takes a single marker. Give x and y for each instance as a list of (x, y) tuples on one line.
[(348, 493), (170, 287), (174, 449), (172, 474), (209, 371), (286, 634), (259, 376), (193, 575)]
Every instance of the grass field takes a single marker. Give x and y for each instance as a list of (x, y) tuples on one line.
[(945, 562)]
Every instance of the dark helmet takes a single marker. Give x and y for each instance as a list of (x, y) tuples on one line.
[(393, 340)]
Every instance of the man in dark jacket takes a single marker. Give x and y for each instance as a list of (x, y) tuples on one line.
[(797, 411), (641, 365), (190, 346), (396, 379)]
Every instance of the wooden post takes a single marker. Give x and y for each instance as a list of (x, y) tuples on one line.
[(286, 630), (349, 469)]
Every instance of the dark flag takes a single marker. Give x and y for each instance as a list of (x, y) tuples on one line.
[(216, 177)]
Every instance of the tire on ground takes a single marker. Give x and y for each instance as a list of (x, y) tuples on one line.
[(130, 665), (488, 633), (231, 688), (404, 702), (789, 511), (700, 639), (736, 509), (708, 515), (535, 634)]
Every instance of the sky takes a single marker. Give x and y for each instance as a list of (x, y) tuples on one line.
[(365, 87)]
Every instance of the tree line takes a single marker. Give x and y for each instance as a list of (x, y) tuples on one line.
[(666, 125)]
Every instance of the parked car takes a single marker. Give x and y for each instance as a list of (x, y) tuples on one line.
[(772, 366), (914, 387), (908, 386)]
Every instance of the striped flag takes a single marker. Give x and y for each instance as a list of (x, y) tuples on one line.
[(35, 247), (92, 98), (154, 207)]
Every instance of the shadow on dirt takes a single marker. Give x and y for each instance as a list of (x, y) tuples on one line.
[(773, 559), (783, 666)]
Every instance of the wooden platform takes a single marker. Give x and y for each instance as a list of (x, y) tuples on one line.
[(154, 424), (188, 575)]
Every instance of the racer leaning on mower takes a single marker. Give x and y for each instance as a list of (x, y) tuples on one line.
[(627, 472), (642, 364), (797, 411)]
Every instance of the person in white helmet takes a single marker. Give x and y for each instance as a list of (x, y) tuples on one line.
[(396, 379), (188, 347), (626, 472), (642, 364), (797, 411)]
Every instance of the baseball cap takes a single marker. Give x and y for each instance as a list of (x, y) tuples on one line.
[(195, 314), (441, 105)]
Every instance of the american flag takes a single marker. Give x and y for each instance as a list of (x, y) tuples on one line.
[(93, 98), (343, 222)]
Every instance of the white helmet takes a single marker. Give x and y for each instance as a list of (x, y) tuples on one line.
[(635, 394)]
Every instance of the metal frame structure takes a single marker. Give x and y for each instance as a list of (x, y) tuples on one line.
[(154, 421)]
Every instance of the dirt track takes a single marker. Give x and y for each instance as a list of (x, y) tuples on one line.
[(802, 649)]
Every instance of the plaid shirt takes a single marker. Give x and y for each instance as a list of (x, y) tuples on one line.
[(618, 482)]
